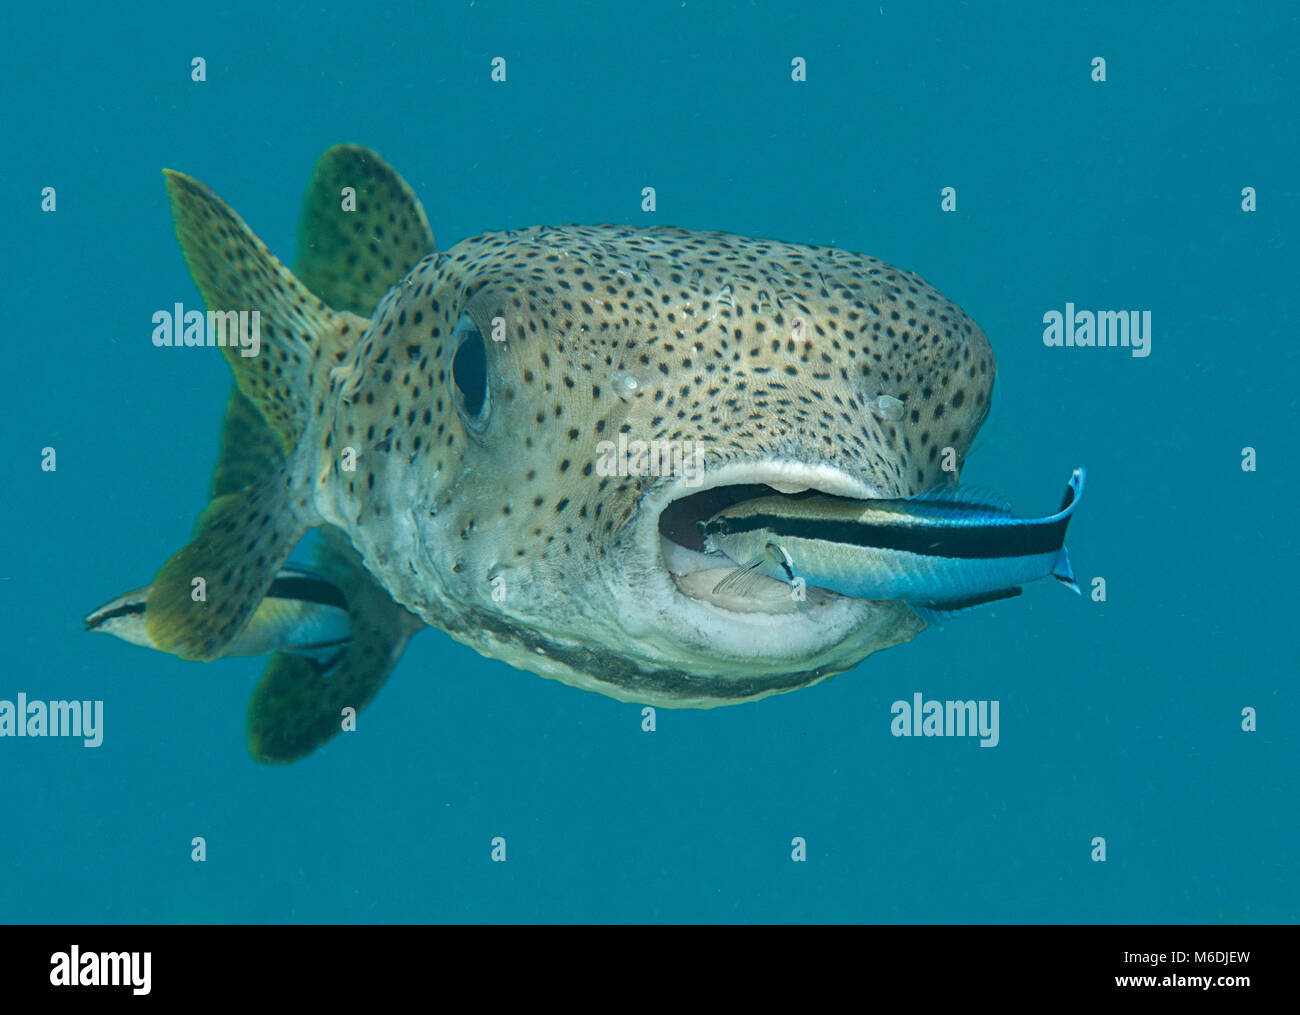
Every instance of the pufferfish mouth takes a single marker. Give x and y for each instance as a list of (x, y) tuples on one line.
[(694, 574)]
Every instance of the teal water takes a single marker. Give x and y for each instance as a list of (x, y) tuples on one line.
[(1119, 720)]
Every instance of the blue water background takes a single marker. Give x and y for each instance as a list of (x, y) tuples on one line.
[(1120, 720)]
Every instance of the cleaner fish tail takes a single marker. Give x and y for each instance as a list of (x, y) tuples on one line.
[(1064, 573), (1061, 570)]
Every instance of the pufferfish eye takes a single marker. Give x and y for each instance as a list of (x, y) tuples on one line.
[(469, 373)]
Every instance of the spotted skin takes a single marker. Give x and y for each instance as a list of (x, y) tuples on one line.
[(765, 352)]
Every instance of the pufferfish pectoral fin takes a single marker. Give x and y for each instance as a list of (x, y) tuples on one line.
[(206, 593), (179, 619), (299, 703), (234, 271)]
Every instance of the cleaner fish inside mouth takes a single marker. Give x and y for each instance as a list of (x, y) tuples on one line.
[(940, 553)]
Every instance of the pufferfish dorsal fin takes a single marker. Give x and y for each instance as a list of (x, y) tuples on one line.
[(350, 258), (298, 705)]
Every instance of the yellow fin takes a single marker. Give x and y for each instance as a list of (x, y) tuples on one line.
[(298, 704), (250, 450), (234, 271), (351, 258), (239, 544), (257, 515)]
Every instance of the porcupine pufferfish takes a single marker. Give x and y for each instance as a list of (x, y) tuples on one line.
[(444, 419)]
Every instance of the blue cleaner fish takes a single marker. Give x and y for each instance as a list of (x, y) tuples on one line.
[(941, 553)]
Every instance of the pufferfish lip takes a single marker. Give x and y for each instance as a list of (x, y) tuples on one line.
[(678, 507)]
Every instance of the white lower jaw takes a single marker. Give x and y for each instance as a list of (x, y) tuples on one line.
[(674, 604)]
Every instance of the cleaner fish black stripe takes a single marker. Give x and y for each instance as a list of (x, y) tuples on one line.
[(939, 553), (910, 534)]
